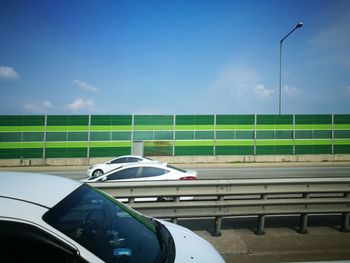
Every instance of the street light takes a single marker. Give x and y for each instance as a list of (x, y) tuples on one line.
[(280, 94)]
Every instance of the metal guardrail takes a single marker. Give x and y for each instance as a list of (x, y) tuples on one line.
[(228, 198)]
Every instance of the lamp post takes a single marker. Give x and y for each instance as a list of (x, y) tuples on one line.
[(280, 90)]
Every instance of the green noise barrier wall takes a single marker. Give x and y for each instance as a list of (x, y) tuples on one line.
[(83, 136)]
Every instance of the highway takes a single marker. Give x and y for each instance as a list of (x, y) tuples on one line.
[(248, 171), (238, 243)]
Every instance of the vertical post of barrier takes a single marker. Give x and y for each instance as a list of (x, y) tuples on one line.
[(217, 222), (303, 220), (345, 223), (261, 220), (261, 224), (345, 228)]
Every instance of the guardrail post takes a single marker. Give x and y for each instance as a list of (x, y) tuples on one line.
[(217, 226), (260, 226), (303, 218), (303, 224), (345, 223), (217, 222), (261, 219)]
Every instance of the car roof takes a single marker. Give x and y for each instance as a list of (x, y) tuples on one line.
[(45, 190), (135, 156), (141, 164)]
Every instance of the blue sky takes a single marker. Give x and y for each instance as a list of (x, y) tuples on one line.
[(173, 57)]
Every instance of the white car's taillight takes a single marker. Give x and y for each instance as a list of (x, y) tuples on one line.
[(188, 178)]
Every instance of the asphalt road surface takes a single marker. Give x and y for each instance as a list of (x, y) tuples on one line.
[(265, 171)]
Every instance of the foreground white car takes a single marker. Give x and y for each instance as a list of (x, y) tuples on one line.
[(101, 168), (144, 171), (44, 218)]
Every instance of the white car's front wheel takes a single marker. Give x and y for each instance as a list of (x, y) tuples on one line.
[(97, 172)]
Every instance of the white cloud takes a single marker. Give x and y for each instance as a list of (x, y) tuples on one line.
[(262, 91), (80, 104), (291, 91), (84, 86), (8, 73), (43, 107)]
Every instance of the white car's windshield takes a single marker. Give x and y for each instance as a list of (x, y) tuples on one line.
[(108, 228)]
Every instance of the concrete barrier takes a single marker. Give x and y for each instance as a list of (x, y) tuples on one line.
[(182, 160)]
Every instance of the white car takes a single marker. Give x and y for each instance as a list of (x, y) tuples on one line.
[(45, 218), (144, 171), (101, 168)]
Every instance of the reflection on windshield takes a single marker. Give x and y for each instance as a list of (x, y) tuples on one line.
[(110, 230)]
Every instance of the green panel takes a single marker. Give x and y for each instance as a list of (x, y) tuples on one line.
[(10, 153), (107, 120), (21, 153), (234, 142), (284, 134), (111, 144), (313, 119), (78, 136), (265, 135), (235, 119), (163, 135), (11, 120), (342, 119), (335, 127), (109, 151), (26, 120), (281, 142), (111, 128), (194, 119), (100, 136), (67, 128), (10, 137), (66, 152), (225, 135), (67, 144), (234, 150), (319, 134), (67, 120), (304, 134), (153, 127), (162, 120), (158, 151), (342, 149), (341, 134), (9, 145), (121, 136), (274, 119), (193, 150), (313, 142), (195, 143), (143, 135), (56, 136), (204, 135), (22, 128), (341, 141), (313, 149), (244, 135), (33, 136), (280, 150), (184, 135), (32, 153)]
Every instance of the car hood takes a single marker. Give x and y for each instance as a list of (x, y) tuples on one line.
[(191, 247)]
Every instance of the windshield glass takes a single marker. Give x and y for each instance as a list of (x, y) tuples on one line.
[(109, 229)]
